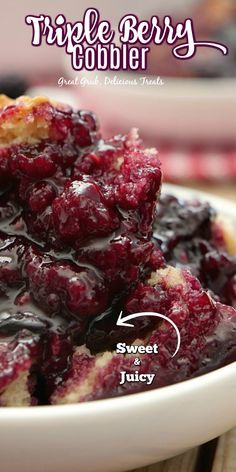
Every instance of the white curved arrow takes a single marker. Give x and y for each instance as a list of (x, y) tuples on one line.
[(123, 322)]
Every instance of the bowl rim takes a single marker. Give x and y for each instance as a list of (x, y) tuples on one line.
[(123, 402), (141, 398)]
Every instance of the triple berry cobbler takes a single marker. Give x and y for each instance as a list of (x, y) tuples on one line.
[(84, 235)]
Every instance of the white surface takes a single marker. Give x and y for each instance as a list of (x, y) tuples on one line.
[(17, 54), (122, 433)]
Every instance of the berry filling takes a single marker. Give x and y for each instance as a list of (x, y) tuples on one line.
[(188, 236)]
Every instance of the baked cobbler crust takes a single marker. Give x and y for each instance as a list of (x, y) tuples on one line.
[(26, 120)]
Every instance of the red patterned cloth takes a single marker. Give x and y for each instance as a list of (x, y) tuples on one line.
[(202, 165)]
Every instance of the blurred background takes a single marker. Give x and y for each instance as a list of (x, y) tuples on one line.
[(191, 118)]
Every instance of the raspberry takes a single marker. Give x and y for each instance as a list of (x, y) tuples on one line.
[(41, 195), (81, 211), (122, 259), (72, 290)]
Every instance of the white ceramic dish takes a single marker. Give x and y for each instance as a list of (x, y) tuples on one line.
[(122, 433), (204, 107)]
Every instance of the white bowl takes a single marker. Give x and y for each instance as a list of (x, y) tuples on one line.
[(122, 433)]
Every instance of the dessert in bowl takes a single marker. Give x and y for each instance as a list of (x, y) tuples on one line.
[(86, 233)]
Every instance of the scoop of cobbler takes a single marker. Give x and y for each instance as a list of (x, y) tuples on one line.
[(84, 235)]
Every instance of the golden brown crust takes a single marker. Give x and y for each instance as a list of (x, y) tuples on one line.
[(170, 276), (77, 392), (26, 120), (22, 102)]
